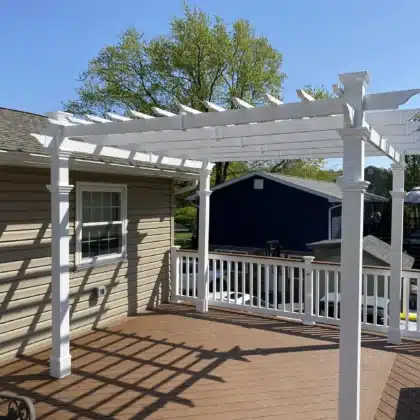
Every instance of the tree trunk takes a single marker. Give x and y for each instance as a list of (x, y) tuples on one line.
[(221, 172)]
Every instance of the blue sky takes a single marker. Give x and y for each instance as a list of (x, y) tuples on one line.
[(46, 44)]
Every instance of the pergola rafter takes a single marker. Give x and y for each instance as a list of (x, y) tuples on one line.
[(352, 125)]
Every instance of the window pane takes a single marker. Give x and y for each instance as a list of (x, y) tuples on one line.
[(106, 214), (86, 198), (115, 199), (115, 239), (96, 214), (106, 199), (86, 214), (96, 199), (101, 240), (115, 214)]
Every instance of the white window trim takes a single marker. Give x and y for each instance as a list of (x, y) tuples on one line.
[(80, 262)]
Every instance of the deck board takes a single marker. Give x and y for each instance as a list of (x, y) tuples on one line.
[(176, 364)]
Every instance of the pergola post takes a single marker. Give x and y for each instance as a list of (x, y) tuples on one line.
[(60, 360), (353, 186), (397, 223), (203, 242)]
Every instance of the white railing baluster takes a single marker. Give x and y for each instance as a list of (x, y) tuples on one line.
[(251, 283), (375, 299), (214, 278), (229, 287), (259, 285), (327, 294), (266, 280), (300, 287), (187, 269), (236, 280), (317, 297), (175, 277), (292, 289), (406, 304), (308, 290), (221, 279), (386, 294), (336, 295), (283, 288), (275, 286), (365, 291), (243, 283), (194, 277)]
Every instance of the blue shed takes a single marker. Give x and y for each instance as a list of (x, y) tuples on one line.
[(249, 211)]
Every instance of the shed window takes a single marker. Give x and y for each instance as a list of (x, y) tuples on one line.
[(258, 184), (101, 220)]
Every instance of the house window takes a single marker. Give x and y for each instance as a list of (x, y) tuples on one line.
[(101, 220)]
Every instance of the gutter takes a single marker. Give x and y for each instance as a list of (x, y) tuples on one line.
[(188, 187), (329, 219)]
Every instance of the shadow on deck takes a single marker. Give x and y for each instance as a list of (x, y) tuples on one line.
[(174, 363)]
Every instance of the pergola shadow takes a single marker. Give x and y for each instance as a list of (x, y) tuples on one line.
[(115, 372), (327, 333)]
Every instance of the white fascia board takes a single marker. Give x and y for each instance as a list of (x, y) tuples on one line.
[(297, 110)]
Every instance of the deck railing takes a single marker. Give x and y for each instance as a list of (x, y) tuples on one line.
[(297, 289)]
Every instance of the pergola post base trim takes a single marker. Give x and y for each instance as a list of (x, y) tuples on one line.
[(394, 335), (60, 366), (202, 305)]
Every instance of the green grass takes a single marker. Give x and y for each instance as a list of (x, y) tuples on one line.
[(183, 239)]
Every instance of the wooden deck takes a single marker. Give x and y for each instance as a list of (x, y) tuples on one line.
[(176, 364)]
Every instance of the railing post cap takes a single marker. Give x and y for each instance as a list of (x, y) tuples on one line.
[(308, 258)]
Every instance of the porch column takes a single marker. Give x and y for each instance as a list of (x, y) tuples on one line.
[(203, 243), (353, 187), (398, 194), (60, 360)]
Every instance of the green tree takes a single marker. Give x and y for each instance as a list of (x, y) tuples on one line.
[(412, 172), (202, 58)]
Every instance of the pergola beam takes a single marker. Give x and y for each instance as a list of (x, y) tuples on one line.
[(298, 110)]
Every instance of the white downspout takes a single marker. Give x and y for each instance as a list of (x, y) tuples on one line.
[(330, 221)]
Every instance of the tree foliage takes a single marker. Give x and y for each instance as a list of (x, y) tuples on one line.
[(202, 58)]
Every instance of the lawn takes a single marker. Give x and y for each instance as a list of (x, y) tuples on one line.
[(183, 239)]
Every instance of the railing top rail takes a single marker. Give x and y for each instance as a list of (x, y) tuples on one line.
[(263, 259), (245, 257)]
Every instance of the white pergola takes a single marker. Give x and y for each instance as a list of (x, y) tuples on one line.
[(352, 125)]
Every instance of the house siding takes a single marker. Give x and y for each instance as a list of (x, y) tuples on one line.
[(25, 258), (243, 217)]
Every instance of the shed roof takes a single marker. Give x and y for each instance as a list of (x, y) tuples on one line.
[(329, 190), (373, 246)]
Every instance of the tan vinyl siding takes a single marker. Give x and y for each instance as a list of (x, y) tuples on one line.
[(25, 258)]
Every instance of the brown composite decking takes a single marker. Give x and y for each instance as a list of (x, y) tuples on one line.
[(176, 364)]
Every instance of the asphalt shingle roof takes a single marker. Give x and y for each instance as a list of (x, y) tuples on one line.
[(15, 135), (329, 190), (326, 188)]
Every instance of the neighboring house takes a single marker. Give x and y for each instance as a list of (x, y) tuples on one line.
[(124, 218), (259, 207)]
